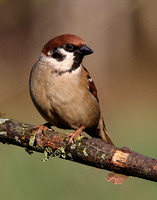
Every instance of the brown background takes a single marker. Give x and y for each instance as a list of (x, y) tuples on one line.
[(123, 35)]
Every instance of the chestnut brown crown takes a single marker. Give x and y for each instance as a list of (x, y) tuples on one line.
[(62, 40)]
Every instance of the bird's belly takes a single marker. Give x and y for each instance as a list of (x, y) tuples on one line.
[(72, 109)]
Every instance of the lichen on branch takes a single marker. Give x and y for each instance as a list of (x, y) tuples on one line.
[(93, 152)]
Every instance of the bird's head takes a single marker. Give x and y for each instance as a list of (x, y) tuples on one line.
[(65, 52)]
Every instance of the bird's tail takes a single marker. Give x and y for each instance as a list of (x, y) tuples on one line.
[(107, 137), (102, 132)]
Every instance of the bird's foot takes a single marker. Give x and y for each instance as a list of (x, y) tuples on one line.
[(75, 134), (42, 128)]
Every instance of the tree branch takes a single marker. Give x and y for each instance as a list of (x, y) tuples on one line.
[(93, 152)]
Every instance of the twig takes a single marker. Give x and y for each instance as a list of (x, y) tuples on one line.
[(93, 152)]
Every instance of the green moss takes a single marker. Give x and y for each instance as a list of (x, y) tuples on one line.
[(47, 152), (60, 152), (70, 156), (32, 140)]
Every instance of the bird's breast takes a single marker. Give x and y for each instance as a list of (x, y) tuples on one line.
[(63, 100)]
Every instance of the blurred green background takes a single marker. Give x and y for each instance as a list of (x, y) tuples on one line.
[(123, 35)]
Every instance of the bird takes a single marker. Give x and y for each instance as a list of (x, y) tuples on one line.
[(63, 91)]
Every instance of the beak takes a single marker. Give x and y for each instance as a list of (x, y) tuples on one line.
[(85, 50)]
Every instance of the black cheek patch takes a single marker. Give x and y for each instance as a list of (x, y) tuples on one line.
[(77, 60), (58, 56)]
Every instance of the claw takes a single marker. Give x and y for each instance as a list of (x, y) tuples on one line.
[(42, 128), (75, 134)]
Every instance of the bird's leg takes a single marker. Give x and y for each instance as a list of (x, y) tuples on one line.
[(75, 134)]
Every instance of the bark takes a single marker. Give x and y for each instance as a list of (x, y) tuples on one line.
[(93, 152)]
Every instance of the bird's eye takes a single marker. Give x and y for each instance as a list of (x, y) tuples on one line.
[(69, 47)]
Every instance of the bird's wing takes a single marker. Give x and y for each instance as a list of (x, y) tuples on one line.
[(90, 83)]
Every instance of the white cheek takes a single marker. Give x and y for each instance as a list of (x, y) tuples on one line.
[(63, 65)]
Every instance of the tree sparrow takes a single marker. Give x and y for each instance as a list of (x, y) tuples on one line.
[(63, 91)]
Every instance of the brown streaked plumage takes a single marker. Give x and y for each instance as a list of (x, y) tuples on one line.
[(63, 91), (90, 83)]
